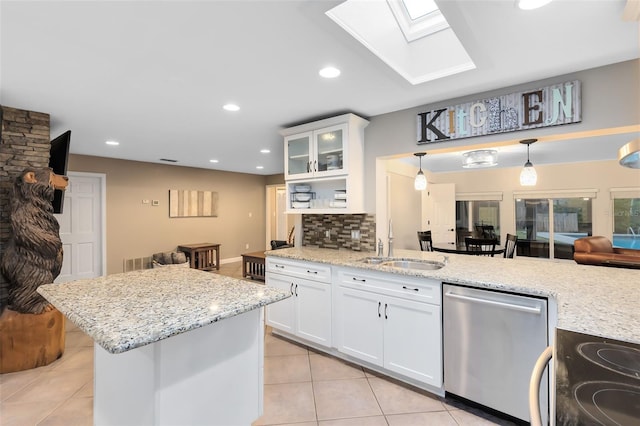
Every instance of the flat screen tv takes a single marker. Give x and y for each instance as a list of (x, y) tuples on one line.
[(58, 158)]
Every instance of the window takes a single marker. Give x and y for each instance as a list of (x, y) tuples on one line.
[(546, 227), (626, 223), (477, 218)]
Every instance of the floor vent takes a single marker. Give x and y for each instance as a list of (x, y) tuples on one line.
[(136, 263)]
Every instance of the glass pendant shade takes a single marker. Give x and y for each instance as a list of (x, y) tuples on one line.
[(420, 184), (528, 175)]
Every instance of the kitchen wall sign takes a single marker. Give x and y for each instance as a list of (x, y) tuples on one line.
[(547, 106), (185, 203)]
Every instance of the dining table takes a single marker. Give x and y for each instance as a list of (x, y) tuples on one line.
[(460, 248)]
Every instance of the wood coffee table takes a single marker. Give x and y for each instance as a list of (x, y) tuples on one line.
[(253, 265), (204, 256)]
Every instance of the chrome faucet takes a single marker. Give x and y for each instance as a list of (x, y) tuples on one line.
[(390, 240), (380, 248)]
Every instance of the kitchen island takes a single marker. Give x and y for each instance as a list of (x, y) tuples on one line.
[(589, 299), (173, 345)]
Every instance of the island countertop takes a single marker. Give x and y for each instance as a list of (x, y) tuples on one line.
[(125, 311), (595, 300)]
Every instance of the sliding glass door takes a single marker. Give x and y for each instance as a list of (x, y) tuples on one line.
[(547, 228)]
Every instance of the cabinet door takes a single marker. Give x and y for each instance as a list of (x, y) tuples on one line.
[(329, 145), (280, 315), (412, 340), (360, 325), (298, 156), (313, 311)]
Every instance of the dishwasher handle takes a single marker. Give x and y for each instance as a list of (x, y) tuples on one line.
[(512, 306)]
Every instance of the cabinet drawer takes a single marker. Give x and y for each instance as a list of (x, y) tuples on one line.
[(412, 288), (300, 269)]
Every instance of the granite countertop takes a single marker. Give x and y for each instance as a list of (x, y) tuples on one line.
[(125, 311), (595, 300)]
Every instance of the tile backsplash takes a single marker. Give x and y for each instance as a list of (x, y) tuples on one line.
[(339, 228)]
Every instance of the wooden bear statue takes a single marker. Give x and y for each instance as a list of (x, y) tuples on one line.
[(33, 254)]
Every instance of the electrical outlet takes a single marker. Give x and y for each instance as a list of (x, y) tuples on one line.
[(327, 234), (155, 203), (355, 234), (145, 201), (246, 246)]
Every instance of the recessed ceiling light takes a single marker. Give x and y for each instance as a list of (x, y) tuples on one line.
[(231, 107), (213, 161), (265, 151), (532, 4), (114, 143), (259, 167), (329, 72)]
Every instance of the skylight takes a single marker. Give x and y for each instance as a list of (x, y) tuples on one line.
[(407, 45), (419, 8), (417, 18)]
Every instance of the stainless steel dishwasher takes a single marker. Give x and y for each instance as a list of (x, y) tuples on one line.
[(491, 343)]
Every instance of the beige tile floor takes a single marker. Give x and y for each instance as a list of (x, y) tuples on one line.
[(302, 387)]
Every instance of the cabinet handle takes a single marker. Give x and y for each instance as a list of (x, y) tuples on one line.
[(385, 311), (312, 272), (279, 266), (379, 304), (291, 289), (360, 280), (296, 290), (407, 288), (315, 166), (308, 166)]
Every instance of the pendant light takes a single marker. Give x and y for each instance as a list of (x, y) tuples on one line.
[(420, 183), (528, 175)]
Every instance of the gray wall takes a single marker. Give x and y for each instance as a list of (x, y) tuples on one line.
[(610, 97)]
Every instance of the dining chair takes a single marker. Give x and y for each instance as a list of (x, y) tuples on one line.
[(510, 246), (424, 239), (481, 246)]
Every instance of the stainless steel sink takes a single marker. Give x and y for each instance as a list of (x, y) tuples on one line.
[(413, 264)]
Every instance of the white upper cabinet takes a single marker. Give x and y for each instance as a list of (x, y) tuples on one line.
[(325, 160), (316, 154)]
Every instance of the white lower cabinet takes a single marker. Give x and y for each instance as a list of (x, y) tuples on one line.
[(378, 322), (307, 313), (383, 319)]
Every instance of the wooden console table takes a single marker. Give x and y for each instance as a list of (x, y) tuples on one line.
[(202, 255), (253, 265)]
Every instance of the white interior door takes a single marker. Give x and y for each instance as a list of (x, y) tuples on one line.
[(440, 212), (82, 227)]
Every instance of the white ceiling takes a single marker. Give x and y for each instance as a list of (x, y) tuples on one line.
[(154, 75)]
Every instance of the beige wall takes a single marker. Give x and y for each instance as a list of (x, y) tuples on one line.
[(137, 230)]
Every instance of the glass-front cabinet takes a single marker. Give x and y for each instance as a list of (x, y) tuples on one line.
[(297, 150), (316, 154), (324, 167)]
